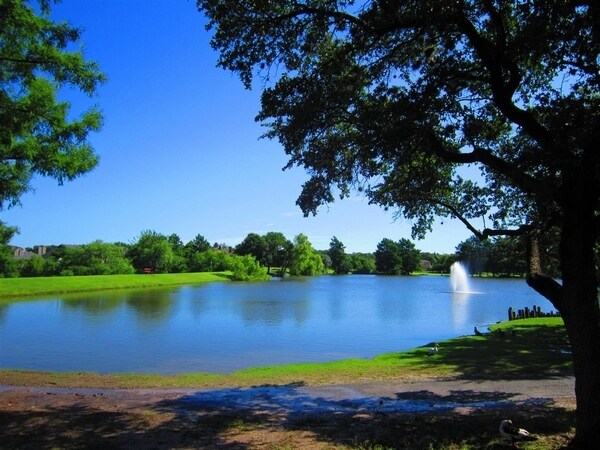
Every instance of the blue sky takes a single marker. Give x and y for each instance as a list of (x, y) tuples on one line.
[(180, 150)]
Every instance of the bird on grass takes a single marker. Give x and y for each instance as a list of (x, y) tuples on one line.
[(433, 350), (477, 332), (514, 434)]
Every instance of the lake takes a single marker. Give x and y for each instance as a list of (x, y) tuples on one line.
[(222, 327)]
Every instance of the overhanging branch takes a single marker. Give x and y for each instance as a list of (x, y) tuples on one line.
[(524, 182), (487, 232)]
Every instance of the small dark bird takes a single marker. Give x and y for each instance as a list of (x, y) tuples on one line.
[(477, 332), (513, 434)]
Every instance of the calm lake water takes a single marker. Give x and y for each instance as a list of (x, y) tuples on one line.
[(221, 327)]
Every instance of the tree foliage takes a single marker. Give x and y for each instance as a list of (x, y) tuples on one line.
[(278, 251), (96, 258), (340, 262), (8, 267), (410, 256), (305, 261), (394, 98), (152, 250), (253, 244), (388, 258), (38, 132)]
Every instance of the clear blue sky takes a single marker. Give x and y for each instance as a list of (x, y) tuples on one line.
[(180, 150)]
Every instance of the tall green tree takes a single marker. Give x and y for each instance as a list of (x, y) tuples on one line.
[(410, 255), (8, 267), (388, 257), (152, 250), (394, 97), (197, 245), (278, 251), (340, 262), (305, 260), (39, 134), (253, 244)]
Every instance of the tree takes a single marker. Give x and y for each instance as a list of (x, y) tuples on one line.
[(440, 262), (254, 245), (96, 258), (339, 259), (362, 263), (410, 256), (8, 268), (179, 260), (278, 251), (38, 133), (506, 257), (33, 267), (198, 244), (394, 98), (152, 250), (246, 268), (305, 261), (388, 257), (474, 253)]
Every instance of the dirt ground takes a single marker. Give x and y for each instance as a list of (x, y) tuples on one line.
[(424, 414)]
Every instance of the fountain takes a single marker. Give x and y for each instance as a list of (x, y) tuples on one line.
[(459, 278)]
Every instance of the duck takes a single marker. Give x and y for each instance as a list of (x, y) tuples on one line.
[(513, 433), (477, 332), (433, 350)]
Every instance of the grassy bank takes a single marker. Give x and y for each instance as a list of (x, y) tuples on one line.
[(11, 288), (528, 348)]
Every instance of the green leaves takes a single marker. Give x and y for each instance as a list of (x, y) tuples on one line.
[(38, 133)]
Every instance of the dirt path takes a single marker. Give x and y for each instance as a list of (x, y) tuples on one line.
[(413, 414)]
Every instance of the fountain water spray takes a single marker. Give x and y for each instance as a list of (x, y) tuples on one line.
[(459, 278)]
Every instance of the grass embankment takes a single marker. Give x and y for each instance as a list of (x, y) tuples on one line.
[(11, 288), (538, 348)]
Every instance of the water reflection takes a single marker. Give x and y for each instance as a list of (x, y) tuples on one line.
[(274, 312), (97, 305), (151, 306), (147, 306)]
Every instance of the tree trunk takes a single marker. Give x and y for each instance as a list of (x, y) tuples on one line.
[(577, 301), (581, 313)]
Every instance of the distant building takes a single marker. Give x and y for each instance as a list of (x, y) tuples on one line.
[(21, 253), (425, 265)]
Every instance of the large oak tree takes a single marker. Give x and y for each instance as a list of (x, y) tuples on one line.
[(394, 98), (39, 134)]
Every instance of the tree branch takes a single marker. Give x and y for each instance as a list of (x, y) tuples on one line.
[(460, 217), (494, 59), (543, 284), (523, 181)]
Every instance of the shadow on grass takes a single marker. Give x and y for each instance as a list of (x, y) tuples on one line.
[(289, 416), (509, 351)]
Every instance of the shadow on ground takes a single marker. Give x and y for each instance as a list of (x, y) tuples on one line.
[(277, 417)]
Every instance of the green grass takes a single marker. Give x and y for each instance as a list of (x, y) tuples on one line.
[(11, 288), (538, 349)]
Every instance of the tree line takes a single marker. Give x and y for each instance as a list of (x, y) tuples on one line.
[(259, 256)]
